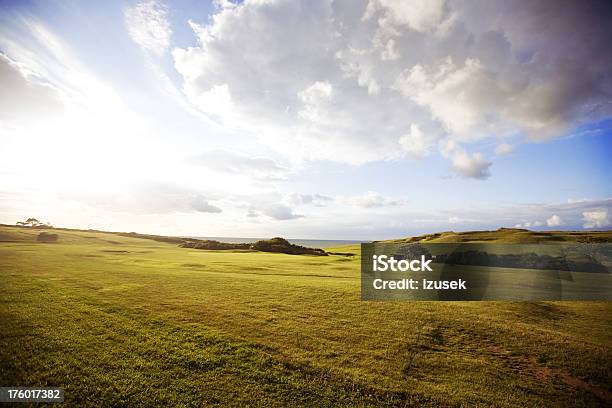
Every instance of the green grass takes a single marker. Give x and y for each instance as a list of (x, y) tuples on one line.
[(122, 321), (512, 236)]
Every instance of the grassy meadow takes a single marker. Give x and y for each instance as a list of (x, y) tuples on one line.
[(123, 321)]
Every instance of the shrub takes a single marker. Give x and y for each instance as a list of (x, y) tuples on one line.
[(281, 245), (47, 237)]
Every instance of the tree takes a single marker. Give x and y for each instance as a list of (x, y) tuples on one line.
[(33, 222)]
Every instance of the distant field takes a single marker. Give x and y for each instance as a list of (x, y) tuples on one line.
[(136, 322), (512, 236), (312, 243)]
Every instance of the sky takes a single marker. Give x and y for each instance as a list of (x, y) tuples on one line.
[(352, 119)]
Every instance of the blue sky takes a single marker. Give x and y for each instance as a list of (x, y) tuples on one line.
[(315, 119)]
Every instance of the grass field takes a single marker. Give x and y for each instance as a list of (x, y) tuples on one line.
[(122, 321)]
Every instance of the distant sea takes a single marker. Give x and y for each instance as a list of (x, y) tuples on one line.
[(311, 243)]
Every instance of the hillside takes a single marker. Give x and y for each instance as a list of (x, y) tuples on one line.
[(275, 245), (141, 322), (510, 235), (501, 235)]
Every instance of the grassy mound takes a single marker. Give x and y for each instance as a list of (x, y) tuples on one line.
[(281, 245)]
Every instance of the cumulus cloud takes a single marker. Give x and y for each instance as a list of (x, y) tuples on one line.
[(315, 99), (474, 166), (572, 215), (460, 96), (383, 79), (554, 221), (416, 143), (467, 165), (418, 15), (148, 26), (596, 219), (216, 102)]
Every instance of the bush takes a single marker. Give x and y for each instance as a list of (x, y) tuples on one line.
[(281, 245), (47, 237)]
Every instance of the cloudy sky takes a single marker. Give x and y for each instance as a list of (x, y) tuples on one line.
[(353, 119)]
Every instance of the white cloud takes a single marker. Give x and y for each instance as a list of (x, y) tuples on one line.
[(317, 200), (371, 199), (389, 52), (473, 166), (418, 15), (232, 162), (280, 212), (353, 66), (504, 149), (202, 205), (416, 143), (224, 4), (299, 95), (467, 165), (315, 100), (25, 94), (462, 97), (529, 224), (148, 26), (554, 221), (596, 219), (348, 85), (217, 102), (459, 220), (586, 213)]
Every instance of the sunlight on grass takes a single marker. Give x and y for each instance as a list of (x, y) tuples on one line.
[(135, 321)]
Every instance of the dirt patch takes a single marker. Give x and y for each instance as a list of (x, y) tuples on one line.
[(115, 251), (542, 372)]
